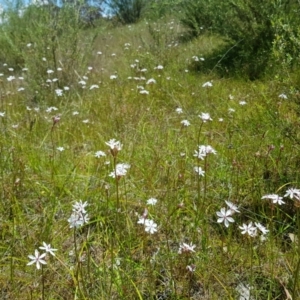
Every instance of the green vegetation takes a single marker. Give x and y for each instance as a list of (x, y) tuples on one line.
[(252, 31), (144, 216), (128, 11)]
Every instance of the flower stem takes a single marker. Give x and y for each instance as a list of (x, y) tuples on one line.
[(76, 262), (43, 284), (297, 270), (251, 267), (117, 182)]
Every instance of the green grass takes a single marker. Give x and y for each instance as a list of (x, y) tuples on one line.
[(112, 257)]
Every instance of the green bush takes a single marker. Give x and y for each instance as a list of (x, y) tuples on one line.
[(197, 17), (286, 44), (157, 9), (128, 11), (249, 29)]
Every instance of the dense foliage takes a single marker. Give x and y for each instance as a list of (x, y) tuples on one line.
[(253, 30), (127, 11)]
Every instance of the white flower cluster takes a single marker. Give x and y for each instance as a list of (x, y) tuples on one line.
[(205, 117), (291, 193), (115, 146), (186, 248), (121, 170), (150, 225), (38, 258), (226, 215), (79, 215), (251, 229), (204, 151), (276, 199), (152, 201)]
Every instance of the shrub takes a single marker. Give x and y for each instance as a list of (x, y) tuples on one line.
[(197, 17), (157, 9), (128, 11), (248, 27), (287, 41)]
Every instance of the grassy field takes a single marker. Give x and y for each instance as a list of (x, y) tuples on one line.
[(125, 172)]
